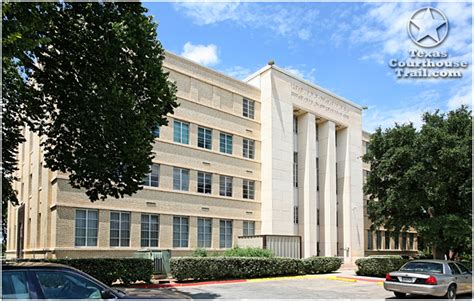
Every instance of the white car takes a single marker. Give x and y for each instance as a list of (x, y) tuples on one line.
[(430, 277)]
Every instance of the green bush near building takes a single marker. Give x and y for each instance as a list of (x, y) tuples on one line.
[(379, 266), (319, 265), (109, 270), (225, 267), (248, 252)]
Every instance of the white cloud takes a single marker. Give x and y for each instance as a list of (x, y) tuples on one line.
[(408, 111), (238, 72), (283, 19), (201, 54), (302, 72)]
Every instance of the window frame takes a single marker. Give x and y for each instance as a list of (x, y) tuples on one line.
[(223, 244), (248, 108), (206, 140), (206, 231), (248, 189), (225, 185), (120, 229), (248, 148), (87, 221), (149, 231), (148, 179), (182, 184), (226, 142), (181, 233), (183, 128), (206, 186), (248, 228)]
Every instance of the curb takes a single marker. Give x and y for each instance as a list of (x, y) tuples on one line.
[(324, 276)]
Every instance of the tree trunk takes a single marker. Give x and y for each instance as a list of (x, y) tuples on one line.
[(438, 253)]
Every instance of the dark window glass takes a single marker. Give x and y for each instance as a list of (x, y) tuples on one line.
[(225, 186), (180, 232), (225, 143), (387, 240), (150, 225), (421, 266), (64, 285), (86, 228), (14, 285), (204, 138), (454, 269), (119, 229), (204, 232), (204, 183), (152, 179), (225, 234)]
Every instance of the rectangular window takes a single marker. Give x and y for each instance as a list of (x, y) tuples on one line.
[(367, 146), (225, 234), (295, 169), (225, 186), (156, 131), (248, 189), (378, 239), (204, 232), (248, 148), (204, 138), (153, 178), (295, 215), (180, 179), (119, 229), (396, 242), (295, 125), (387, 240), (87, 223), (226, 143), (180, 232), (204, 182), (150, 225), (365, 175), (411, 237), (369, 240), (181, 132), (404, 240), (317, 217), (248, 108), (249, 228)]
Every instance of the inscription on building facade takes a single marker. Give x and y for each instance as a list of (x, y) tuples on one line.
[(318, 101)]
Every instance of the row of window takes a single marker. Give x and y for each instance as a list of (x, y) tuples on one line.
[(204, 139), (204, 182), (387, 245), (86, 230)]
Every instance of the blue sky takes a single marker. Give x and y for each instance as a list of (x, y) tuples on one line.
[(343, 47)]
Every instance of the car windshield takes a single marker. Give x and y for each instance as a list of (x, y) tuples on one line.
[(428, 267)]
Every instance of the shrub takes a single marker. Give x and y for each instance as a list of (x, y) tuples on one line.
[(109, 270), (210, 268), (200, 253), (318, 265), (379, 266), (248, 252)]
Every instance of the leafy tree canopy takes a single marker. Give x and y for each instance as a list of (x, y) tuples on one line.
[(88, 78), (422, 179)]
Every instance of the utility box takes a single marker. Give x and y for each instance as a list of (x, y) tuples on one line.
[(161, 260)]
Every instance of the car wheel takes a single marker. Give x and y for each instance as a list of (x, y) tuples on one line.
[(400, 295), (451, 293)]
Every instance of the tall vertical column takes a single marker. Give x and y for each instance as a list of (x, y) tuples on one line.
[(327, 188), (344, 193), (307, 183)]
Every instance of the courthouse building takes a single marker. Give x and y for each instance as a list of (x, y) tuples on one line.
[(271, 156)]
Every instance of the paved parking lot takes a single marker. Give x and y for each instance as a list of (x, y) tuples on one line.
[(306, 288)]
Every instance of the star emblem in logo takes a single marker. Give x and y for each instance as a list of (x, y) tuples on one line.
[(428, 27)]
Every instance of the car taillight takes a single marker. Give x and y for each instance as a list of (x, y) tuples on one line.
[(388, 277), (431, 280)]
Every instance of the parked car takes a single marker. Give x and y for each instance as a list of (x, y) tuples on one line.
[(430, 277), (39, 280)]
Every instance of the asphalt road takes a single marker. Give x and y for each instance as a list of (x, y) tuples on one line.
[(316, 288)]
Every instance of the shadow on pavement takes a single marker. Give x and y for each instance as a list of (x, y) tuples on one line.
[(201, 295)]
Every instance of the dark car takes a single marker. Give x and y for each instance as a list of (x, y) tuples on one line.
[(39, 280)]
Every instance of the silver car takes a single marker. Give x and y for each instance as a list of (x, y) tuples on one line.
[(430, 277)]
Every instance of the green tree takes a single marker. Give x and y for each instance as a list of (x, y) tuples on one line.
[(422, 179), (89, 78)]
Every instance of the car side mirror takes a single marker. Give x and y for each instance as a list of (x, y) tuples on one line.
[(107, 294)]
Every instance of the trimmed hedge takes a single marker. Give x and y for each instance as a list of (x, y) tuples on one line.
[(109, 270), (248, 252), (318, 265), (378, 266), (211, 268)]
